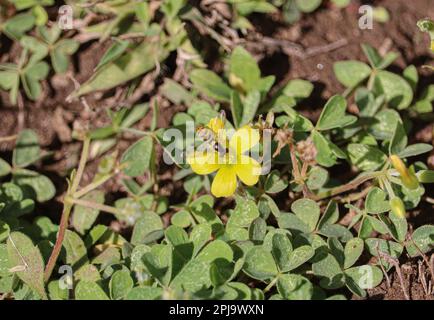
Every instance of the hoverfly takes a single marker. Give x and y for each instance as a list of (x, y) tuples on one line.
[(210, 133)]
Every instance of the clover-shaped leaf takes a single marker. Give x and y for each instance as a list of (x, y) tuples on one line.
[(294, 287), (27, 149), (120, 284), (422, 240), (307, 211), (376, 201), (259, 264), (351, 73), (397, 90), (86, 290), (333, 115), (353, 251)]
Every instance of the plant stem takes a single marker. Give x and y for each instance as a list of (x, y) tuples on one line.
[(347, 187), (271, 284), (8, 138), (92, 186), (66, 212), (59, 241), (95, 205), (81, 166)]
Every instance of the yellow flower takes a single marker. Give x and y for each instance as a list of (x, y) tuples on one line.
[(408, 177), (230, 165)]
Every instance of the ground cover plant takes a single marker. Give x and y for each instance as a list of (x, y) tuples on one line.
[(216, 150)]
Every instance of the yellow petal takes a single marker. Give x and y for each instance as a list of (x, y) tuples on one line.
[(244, 139), (248, 170), (225, 182), (203, 162)]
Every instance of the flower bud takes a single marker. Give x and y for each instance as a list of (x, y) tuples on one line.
[(408, 178), (397, 207)]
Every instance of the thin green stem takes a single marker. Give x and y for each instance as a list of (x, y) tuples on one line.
[(347, 187), (271, 284), (81, 166), (92, 186), (95, 205)]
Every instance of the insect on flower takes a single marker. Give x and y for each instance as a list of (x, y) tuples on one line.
[(227, 157)]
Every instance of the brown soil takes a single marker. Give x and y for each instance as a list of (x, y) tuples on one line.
[(53, 118)]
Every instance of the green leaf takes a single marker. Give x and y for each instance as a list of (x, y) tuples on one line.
[(390, 247), (372, 55), (298, 257), (243, 215), (4, 261), (26, 261), (200, 235), (147, 229), (307, 211), (293, 223), (333, 114), (181, 219), (16, 26), (298, 89), (210, 84), (399, 139), (221, 271), (124, 68), (294, 287), (331, 214), (56, 292), (114, 52), (423, 238), (236, 108), (4, 231), (137, 158), (259, 264), (308, 5), (326, 266), (363, 277), (281, 247), (274, 184), (257, 230), (42, 187), (74, 249), (376, 201), (59, 56), (351, 73), (400, 227), (196, 274), (410, 74), (385, 124), (86, 290), (326, 155), (250, 106), (83, 218), (317, 178), (425, 176), (415, 150), (5, 168), (353, 251), (145, 293), (27, 149), (176, 236), (120, 284), (398, 92), (365, 157), (293, 120), (245, 68)]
